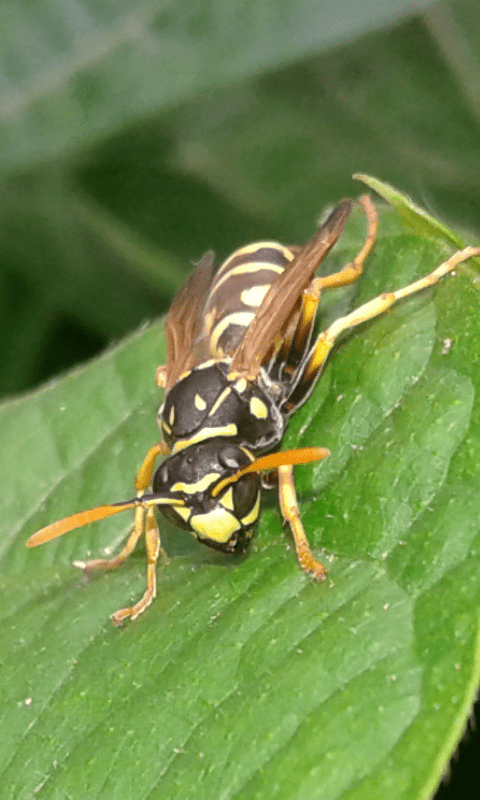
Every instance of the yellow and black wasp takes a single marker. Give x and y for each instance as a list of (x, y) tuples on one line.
[(241, 359)]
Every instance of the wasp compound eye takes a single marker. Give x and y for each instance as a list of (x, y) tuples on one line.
[(245, 493), (232, 458)]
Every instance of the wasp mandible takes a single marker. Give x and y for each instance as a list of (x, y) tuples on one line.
[(242, 357)]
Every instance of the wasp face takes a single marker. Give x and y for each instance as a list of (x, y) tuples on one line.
[(224, 520)]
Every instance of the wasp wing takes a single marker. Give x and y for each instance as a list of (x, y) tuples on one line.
[(183, 324), (280, 301)]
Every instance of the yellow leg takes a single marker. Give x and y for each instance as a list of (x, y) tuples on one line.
[(145, 522), (111, 563), (349, 274), (378, 306), (291, 513), (145, 472), (152, 541)]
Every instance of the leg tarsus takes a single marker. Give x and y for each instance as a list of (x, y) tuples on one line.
[(145, 522), (89, 567), (374, 308), (351, 272), (152, 540), (291, 514)]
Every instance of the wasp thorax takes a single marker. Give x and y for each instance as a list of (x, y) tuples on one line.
[(224, 520), (207, 403)]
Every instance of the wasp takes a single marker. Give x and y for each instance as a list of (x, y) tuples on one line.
[(242, 357)]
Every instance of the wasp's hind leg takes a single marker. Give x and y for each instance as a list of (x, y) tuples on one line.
[(295, 346), (144, 522), (373, 309), (352, 271), (291, 514)]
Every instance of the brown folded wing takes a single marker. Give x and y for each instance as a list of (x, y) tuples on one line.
[(279, 302), (183, 325)]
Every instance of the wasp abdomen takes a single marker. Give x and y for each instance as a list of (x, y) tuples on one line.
[(237, 292)]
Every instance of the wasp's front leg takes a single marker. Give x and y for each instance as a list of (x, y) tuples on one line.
[(144, 523), (161, 377), (291, 514), (152, 542)]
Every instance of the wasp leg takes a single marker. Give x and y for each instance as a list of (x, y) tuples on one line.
[(291, 513), (351, 272), (144, 523), (161, 377), (111, 563), (294, 349), (376, 307), (142, 481), (152, 541), (145, 472)]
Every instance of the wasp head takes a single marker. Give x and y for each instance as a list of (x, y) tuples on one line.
[(219, 512)]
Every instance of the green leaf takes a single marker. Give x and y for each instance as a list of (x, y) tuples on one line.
[(412, 215), (244, 679)]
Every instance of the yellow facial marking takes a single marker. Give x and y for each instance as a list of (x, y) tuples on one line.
[(253, 514), (200, 403), (182, 512), (171, 416), (227, 500), (254, 296), (199, 486), (258, 409), (166, 427), (218, 525), (247, 453)]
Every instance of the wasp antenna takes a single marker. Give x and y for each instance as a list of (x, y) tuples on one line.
[(77, 521), (160, 500), (301, 455)]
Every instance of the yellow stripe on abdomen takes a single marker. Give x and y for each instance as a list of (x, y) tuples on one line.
[(238, 291), (238, 322)]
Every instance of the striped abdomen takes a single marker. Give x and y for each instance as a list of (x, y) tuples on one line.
[(237, 291)]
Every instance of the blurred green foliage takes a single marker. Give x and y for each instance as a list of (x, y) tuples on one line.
[(133, 139)]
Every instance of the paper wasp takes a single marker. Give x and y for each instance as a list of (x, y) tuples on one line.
[(241, 359)]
